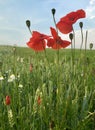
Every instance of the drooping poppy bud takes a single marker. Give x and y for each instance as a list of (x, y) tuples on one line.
[(28, 23), (81, 24), (7, 100), (53, 11)]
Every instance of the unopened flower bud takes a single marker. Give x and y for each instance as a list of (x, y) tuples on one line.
[(28, 23), (7, 100), (81, 24), (71, 36), (91, 45), (53, 11)]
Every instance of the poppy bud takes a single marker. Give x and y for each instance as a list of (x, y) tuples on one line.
[(28, 23), (81, 24), (91, 45), (7, 100), (71, 36), (53, 11)]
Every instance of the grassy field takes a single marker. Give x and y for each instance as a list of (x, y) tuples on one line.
[(51, 90)]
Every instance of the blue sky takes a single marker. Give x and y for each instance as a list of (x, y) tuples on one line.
[(14, 13)]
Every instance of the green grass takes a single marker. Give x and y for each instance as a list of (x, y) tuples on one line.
[(65, 85)]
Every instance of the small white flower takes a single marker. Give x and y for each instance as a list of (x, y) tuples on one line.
[(82, 74), (18, 76), (20, 86), (11, 78), (18, 58), (21, 60), (1, 78)]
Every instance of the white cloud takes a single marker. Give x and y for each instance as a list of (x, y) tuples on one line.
[(90, 10), (92, 2)]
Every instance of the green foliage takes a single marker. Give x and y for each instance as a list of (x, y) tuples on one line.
[(65, 85)]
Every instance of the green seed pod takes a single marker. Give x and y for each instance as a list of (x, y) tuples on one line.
[(28, 23), (81, 24), (53, 11), (71, 36), (91, 45)]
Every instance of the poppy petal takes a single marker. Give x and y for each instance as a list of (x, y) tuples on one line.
[(53, 32), (64, 27), (52, 43), (37, 45), (65, 43), (81, 13)]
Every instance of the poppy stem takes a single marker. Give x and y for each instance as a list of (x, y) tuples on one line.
[(30, 31), (71, 35), (81, 39), (55, 23), (53, 13), (74, 43), (86, 41)]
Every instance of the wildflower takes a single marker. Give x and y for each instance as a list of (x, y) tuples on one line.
[(7, 100), (21, 60), (37, 41), (39, 100), (66, 22), (1, 78), (55, 41), (18, 58), (11, 78), (5, 75), (20, 86)]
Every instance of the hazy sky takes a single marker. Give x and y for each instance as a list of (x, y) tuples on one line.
[(14, 13)]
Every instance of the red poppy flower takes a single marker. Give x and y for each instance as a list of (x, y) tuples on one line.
[(39, 100), (66, 22), (7, 100), (55, 41), (64, 27), (38, 41)]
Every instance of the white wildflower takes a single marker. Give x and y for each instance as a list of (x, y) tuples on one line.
[(21, 60), (18, 58), (11, 78), (20, 86), (1, 78)]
